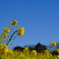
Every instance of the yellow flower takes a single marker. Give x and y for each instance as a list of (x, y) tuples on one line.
[(34, 52), (14, 22), (5, 50), (4, 45), (6, 29), (26, 57), (46, 52), (1, 44), (1, 47), (5, 34), (21, 29), (53, 43), (10, 51), (26, 49), (21, 33), (21, 55), (57, 50)]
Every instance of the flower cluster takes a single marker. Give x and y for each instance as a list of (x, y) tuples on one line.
[(6, 37), (21, 31), (4, 49), (26, 49), (14, 22), (53, 43), (34, 52), (5, 34), (6, 29)]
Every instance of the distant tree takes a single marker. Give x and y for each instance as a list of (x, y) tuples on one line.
[(18, 48), (39, 48)]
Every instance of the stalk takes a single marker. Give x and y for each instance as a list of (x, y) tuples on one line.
[(11, 37)]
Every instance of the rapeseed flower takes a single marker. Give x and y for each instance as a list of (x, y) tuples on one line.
[(21, 55), (5, 49), (1, 47), (4, 45), (1, 44), (14, 22), (10, 51), (46, 51), (57, 50), (34, 52), (26, 49), (53, 43), (5, 34), (6, 29), (21, 31)]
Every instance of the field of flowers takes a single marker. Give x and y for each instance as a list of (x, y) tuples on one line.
[(10, 54), (6, 53)]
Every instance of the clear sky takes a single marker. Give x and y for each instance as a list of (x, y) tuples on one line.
[(40, 18)]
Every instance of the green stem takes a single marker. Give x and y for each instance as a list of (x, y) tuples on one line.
[(11, 37)]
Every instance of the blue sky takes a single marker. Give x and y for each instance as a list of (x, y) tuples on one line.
[(40, 18)]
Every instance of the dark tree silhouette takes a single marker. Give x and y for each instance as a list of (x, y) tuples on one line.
[(39, 48), (18, 48)]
